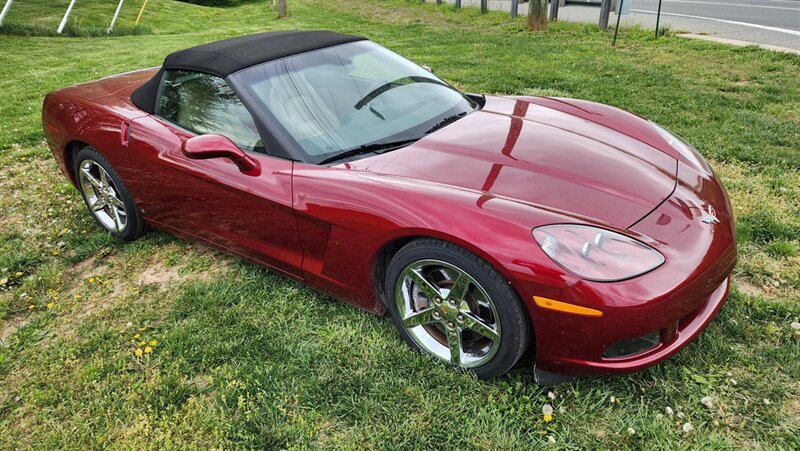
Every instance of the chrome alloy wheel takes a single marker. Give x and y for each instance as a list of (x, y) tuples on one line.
[(101, 196), (448, 313)]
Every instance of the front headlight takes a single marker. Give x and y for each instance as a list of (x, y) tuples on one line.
[(687, 150), (596, 254)]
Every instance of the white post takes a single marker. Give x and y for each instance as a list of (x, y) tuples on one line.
[(116, 14), (5, 10), (66, 16)]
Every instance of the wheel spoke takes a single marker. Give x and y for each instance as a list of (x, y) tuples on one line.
[(98, 205), (116, 202), (115, 216), (419, 318), (425, 286), (104, 179), (88, 176), (454, 343), (476, 325), (460, 287)]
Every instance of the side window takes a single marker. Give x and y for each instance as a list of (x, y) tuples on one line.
[(205, 104)]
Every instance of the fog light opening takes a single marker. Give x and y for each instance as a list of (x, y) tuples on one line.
[(638, 345)]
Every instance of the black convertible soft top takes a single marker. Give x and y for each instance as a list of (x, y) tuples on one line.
[(225, 57)]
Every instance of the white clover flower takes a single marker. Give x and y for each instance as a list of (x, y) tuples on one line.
[(668, 409), (680, 414), (795, 325), (612, 400), (659, 416), (551, 395), (631, 431), (733, 382), (766, 402), (551, 440), (687, 427), (707, 401)]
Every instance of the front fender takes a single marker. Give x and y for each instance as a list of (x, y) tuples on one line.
[(346, 218)]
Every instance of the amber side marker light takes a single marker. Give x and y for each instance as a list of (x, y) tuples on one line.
[(559, 306)]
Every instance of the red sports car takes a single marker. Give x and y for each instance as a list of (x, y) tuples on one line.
[(485, 225)]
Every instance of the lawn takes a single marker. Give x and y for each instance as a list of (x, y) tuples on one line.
[(239, 357)]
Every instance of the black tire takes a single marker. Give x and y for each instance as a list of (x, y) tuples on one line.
[(134, 226), (515, 330)]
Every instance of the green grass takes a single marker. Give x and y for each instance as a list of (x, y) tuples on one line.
[(247, 359)]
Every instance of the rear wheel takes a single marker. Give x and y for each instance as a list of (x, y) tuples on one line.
[(106, 197), (451, 304)]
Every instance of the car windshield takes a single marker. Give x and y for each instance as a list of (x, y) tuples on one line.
[(351, 96)]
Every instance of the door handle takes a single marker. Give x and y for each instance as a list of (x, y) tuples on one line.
[(125, 133)]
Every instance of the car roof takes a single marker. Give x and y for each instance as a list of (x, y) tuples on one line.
[(225, 57), (222, 58)]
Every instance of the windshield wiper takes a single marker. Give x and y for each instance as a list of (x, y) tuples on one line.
[(446, 121), (377, 147)]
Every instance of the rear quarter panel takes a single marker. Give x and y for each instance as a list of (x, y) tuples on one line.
[(93, 114)]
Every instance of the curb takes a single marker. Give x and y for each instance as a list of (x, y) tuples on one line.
[(737, 43)]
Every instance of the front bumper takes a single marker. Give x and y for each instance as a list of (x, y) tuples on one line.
[(677, 300)]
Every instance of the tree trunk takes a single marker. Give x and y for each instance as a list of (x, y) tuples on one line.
[(282, 10), (537, 15)]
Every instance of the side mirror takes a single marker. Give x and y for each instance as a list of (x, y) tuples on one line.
[(204, 147)]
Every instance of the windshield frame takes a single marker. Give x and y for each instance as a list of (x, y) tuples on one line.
[(289, 147)]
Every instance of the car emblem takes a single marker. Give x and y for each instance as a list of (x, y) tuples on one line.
[(710, 216)]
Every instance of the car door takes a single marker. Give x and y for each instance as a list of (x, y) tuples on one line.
[(211, 199)]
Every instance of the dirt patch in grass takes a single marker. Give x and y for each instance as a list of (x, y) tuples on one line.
[(748, 287), (11, 325), (159, 274)]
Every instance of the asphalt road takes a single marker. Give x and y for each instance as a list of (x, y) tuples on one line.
[(774, 23), (781, 14)]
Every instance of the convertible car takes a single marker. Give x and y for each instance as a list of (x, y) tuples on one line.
[(487, 226)]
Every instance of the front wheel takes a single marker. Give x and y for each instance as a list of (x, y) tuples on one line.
[(451, 304)]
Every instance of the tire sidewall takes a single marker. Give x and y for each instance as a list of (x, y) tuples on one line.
[(513, 330)]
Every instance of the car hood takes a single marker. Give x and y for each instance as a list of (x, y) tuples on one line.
[(517, 149)]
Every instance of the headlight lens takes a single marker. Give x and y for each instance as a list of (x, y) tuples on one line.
[(596, 254), (687, 150)]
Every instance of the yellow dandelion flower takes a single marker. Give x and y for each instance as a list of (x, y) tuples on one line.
[(105, 282), (18, 273), (153, 342), (148, 350), (142, 343), (138, 352), (31, 307), (56, 252), (137, 336), (91, 279), (50, 305), (547, 411), (77, 296)]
